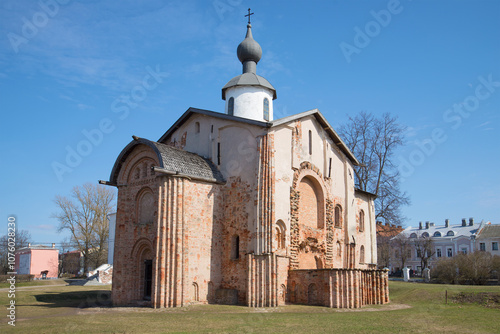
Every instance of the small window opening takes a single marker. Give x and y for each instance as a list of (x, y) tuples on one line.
[(212, 129), (310, 143), (330, 167), (230, 106), (338, 216), (197, 127), (235, 248), (266, 109), (218, 153), (361, 221)]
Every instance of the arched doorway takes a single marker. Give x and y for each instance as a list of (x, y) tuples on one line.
[(142, 256)]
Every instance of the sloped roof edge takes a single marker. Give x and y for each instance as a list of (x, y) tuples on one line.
[(192, 111), (364, 192), (326, 126)]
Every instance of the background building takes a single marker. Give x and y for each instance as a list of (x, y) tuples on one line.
[(488, 239), (38, 260), (447, 241)]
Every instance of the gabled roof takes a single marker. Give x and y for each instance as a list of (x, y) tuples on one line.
[(326, 126), (192, 111), (172, 161), (314, 112)]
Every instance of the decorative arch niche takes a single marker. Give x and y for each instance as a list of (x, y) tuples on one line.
[(311, 203), (310, 210), (145, 206), (280, 235)]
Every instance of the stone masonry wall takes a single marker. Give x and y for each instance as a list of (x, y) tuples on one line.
[(339, 288), (133, 239)]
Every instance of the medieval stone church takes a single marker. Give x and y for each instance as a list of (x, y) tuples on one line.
[(240, 208)]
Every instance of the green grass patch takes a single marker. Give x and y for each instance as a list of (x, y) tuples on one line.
[(85, 309), (35, 283)]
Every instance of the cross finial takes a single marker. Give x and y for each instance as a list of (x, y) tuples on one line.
[(249, 14)]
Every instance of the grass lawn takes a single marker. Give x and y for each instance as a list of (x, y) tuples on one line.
[(58, 281), (414, 308)]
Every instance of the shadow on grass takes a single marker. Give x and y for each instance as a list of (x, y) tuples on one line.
[(78, 299)]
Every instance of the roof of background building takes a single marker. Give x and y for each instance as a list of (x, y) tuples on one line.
[(388, 230), (444, 232), (489, 231), (38, 247)]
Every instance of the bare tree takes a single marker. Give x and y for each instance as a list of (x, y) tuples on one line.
[(23, 238), (383, 251), (424, 245), (85, 217), (374, 141), (402, 248)]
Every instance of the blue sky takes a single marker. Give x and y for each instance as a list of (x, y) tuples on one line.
[(67, 68)]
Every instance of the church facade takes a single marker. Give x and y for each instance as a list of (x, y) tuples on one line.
[(239, 208)]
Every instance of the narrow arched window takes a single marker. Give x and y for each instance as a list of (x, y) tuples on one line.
[(280, 234), (230, 106), (310, 143), (361, 221), (362, 254), (235, 248), (266, 109), (338, 216), (196, 292)]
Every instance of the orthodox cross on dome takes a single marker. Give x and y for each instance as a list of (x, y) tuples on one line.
[(249, 14)]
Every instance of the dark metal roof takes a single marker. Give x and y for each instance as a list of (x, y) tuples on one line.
[(248, 79), (326, 126), (192, 111), (172, 160), (364, 192)]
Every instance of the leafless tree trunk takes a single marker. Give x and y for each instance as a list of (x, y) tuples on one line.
[(383, 251), (425, 249), (374, 142), (85, 217), (402, 247)]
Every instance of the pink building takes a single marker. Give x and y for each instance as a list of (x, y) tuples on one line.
[(38, 260)]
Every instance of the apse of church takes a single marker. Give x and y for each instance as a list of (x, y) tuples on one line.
[(239, 208)]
